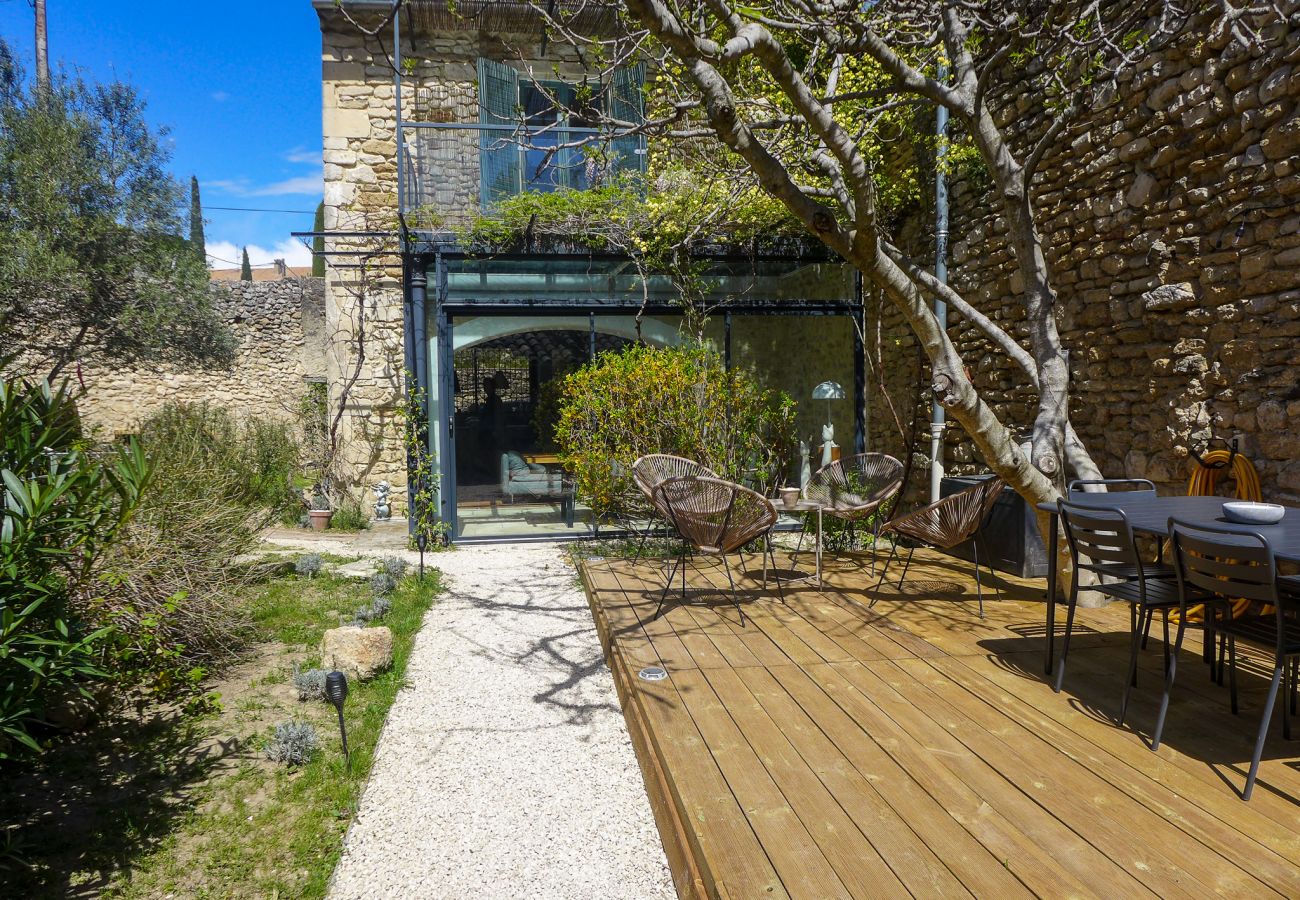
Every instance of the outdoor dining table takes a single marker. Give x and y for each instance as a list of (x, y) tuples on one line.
[(1149, 514)]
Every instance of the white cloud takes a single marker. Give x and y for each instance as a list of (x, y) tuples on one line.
[(227, 254), (306, 157), (302, 184)]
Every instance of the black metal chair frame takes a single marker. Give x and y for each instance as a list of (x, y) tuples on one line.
[(661, 493), (1101, 541), (1079, 485), (1238, 565)]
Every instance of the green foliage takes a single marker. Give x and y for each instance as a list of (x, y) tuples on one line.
[(91, 225), (63, 509), (422, 473), (310, 684), (170, 582), (681, 401), (196, 222), (349, 515), (318, 242), (309, 565), (245, 268), (293, 743)]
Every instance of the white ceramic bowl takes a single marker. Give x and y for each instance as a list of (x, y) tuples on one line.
[(1253, 513)]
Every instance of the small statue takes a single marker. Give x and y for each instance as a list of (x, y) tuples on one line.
[(805, 468), (828, 444), (383, 509)]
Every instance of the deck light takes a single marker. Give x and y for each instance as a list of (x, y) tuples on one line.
[(336, 691), (421, 541)]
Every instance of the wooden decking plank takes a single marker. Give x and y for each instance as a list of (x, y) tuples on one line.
[(907, 852), (1185, 772), (803, 868), (733, 863), (1080, 800), (944, 763), (853, 858), (930, 797), (1205, 824), (620, 619), (634, 611)]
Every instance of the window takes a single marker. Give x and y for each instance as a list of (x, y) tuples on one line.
[(520, 118)]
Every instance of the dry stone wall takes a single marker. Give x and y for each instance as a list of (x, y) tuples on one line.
[(280, 329), (1171, 215)]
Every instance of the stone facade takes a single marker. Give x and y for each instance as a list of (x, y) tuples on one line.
[(364, 308), (280, 329), (1171, 218)]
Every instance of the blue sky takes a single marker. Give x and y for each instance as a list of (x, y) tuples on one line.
[(238, 85)]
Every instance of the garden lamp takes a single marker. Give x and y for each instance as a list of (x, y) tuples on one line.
[(828, 391), (421, 541), (336, 691)]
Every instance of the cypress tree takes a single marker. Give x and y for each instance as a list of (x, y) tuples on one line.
[(318, 242), (245, 269), (196, 221)]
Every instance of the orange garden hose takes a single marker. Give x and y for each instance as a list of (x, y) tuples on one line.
[(1205, 480)]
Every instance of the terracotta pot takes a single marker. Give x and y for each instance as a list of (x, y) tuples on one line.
[(320, 518)]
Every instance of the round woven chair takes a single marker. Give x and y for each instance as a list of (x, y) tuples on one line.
[(652, 470), (714, 517), (854, 487), (945, 524)]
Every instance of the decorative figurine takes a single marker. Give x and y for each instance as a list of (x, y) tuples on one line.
[(828, 444), (383, 509), (805, 468)]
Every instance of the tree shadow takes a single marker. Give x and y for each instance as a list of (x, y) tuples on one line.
[(91, 807)]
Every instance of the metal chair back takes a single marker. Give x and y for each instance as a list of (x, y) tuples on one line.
[(1226, 563), (1101, 485), (1100, 540), (653, 469), (855, 486), (713, 515)]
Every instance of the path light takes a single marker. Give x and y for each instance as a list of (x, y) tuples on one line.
[(421, 541), (336, 691)]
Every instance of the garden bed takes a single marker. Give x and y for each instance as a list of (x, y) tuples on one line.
[(159, 802)]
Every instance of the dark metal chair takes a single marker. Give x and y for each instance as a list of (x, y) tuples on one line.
[(1215, 566), (1101, 541), (855, 487), (945, 524), (718, 518)]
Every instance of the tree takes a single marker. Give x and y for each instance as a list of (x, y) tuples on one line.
[(796, 94), (318, 242), (245, 269), (196, 222), (94, 262)]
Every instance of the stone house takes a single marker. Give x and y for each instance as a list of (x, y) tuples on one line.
[(479, 339)]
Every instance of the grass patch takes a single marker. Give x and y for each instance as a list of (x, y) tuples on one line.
[(174, 805)]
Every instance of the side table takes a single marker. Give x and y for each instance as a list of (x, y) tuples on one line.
[(814, 576)]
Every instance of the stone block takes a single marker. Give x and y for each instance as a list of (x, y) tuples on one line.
[(359, 653), (346, 122)]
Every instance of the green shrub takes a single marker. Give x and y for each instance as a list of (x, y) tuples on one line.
[(63, 509), (175, 577), (293, 743), (349, 516), (679, 400)]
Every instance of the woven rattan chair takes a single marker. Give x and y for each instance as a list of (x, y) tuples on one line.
[(1216, 566), (945, 524), (855, 487), (714, 517), (652, 470)]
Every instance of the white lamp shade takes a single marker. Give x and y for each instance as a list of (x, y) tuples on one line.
[(828, 390)]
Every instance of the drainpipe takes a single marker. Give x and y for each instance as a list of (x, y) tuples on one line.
[(937, 412)]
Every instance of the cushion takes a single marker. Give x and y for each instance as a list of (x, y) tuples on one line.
[(515, 462)]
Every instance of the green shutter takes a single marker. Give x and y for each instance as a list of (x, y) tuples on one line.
[(627, 104), (500, 163)]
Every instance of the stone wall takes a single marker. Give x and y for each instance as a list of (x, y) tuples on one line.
[(1171, 218), (280, 329)]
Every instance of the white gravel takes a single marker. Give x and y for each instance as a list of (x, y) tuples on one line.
[(505, 768)]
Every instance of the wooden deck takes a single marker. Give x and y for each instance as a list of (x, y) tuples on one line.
[(823, 750)]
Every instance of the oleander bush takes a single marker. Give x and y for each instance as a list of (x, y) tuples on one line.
[(678, 400)]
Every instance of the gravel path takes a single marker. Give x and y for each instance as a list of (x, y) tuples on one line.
[(505, 769)]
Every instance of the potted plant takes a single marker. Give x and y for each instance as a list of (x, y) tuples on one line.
[(319, 512)]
